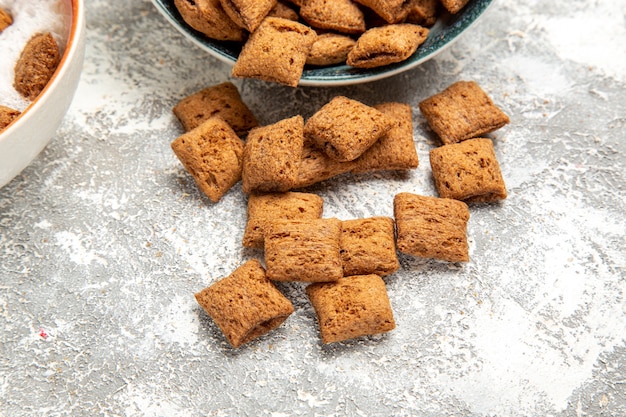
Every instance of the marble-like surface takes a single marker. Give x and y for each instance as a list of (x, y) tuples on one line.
[(104, 239)]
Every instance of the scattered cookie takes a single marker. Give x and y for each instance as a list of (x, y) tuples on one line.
[(37, 63), (276, 51), (386, 45), (7, 115), (6, 19), (316, 166), (265, 208), (351, 307), (213, 154), (345, 128), (245, 305), (462, 111), (392, 11), (431, 227), (454, 6), (303, 250), (468, 171), (368, 246), (395, 150), (272, 156), (209, 18), (221, 100), (330, 49), (423, 12), (248, 14), (342, 16)]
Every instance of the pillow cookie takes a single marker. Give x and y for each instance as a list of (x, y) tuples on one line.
[(209, 18), (345, 128), (213, 154), (431, 227), (386, 45), (351, 307), (221, 100), (423, 12), (7, 115), (392, 11), (316, 166), (303, 250), (265, 208), (330, 49), (245, 305), (6, 19), (36, 65), (272, 156), (276, 51), (454, 6), (338, 15), (395, 150), (462, 111), (468, 171), (368, 246), (248, 14)]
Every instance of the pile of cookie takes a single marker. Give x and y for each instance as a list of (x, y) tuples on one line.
[(280, 38), (34, 69), (342, 261)]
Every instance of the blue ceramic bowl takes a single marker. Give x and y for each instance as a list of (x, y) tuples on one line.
[(447, 30)]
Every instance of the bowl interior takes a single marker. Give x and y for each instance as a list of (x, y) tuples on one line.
[(446, 30)]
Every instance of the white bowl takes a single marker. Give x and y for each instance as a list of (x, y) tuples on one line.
[(28, 135)]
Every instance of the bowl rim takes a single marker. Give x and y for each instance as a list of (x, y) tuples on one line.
[(71, 48), (335, 80)]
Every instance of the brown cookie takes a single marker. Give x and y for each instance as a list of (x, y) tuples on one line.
[(368, 246), (303, 250), (7, 115), (276, 52), (37, 63), (351, 307), (462, 111), (209, 18), (345, 128), (265, 208), (248, 14), (392, 11), (6, 19), (272, 156), (386, 45), (454, 6), (343, 16), (283, 10), (213, 154), (330, 49), (431, 227), (245, 305), (468, 171), (221, 100), (423, 12), (316, 166), (395, 150)]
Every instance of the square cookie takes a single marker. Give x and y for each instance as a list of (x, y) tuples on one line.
[(386, 45), (265, 208), (248, 13), (431, 227), (219, 100), (468, 171), (272, 156), (213, 154), (462, 111), (245, 305), (316, 166), (303, 250), (276, 52), (351, 307), (395, 150), (368, 246), (345, 128)]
